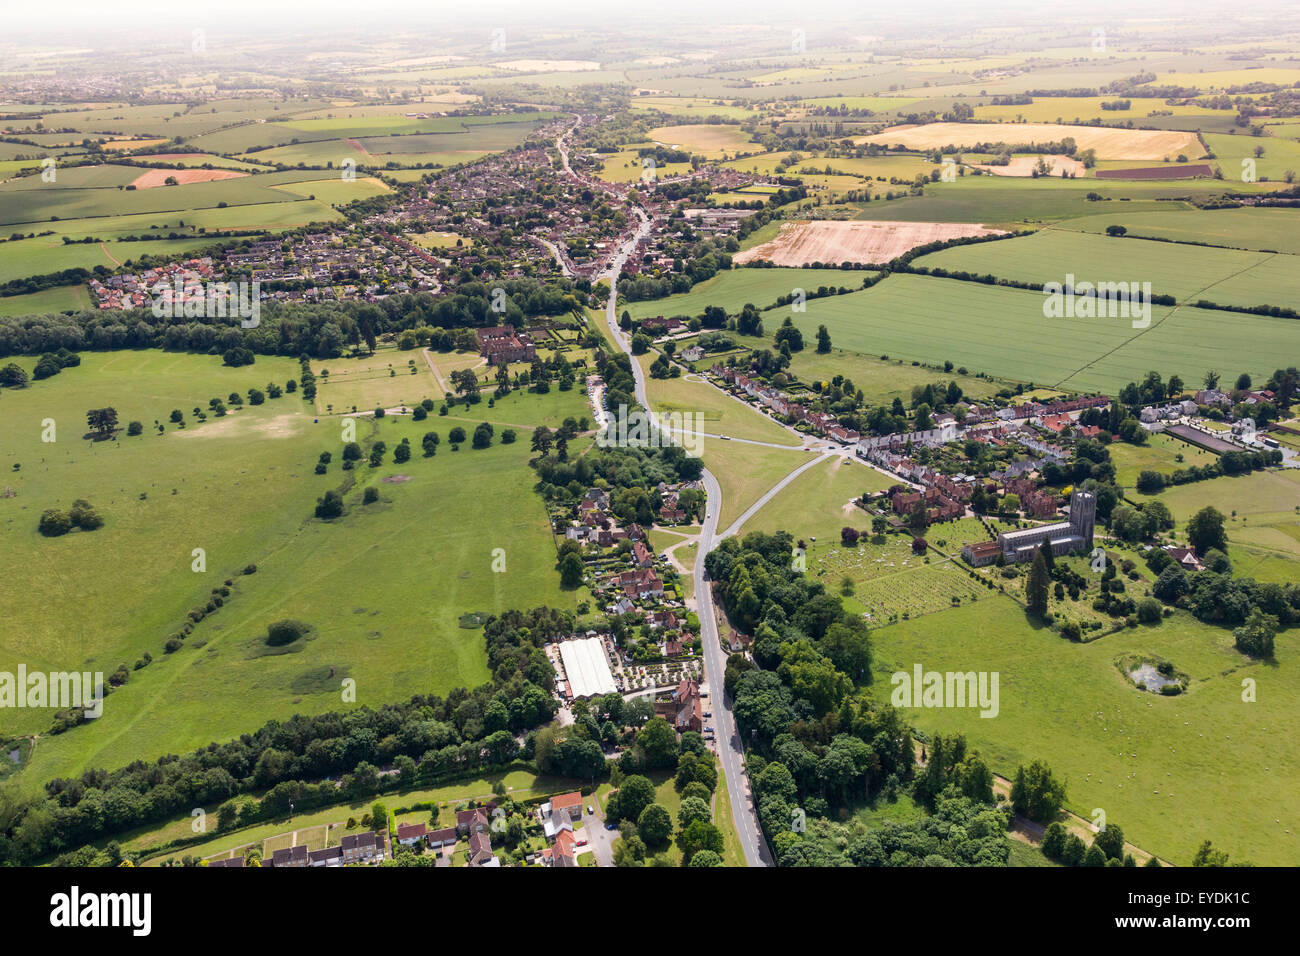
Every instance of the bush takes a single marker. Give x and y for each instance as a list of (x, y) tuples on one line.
[(54, 523), (285, 632), (135, 428), (370, 496)]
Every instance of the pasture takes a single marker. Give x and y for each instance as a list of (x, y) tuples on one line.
[(242, 488), (1163, 768)]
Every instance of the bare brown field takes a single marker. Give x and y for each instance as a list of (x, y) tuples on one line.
[(1135, 144), (183, 177), (1025, 166), (833, 242)]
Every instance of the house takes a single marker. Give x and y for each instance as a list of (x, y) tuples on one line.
[(235, 861), (437, 839), (290, 856), (474, 820), (330, 856), (504, 344), (640, 584), (559, 814), (1185, 557), (642, 555), (982, 553), (683, 708), (738, 642), (692, 354), (409, 834), (563, 852), (480, 850), (362, 847)]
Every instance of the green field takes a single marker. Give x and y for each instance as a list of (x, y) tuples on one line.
[(242, 489), (1244, 228), (1163, 768), (734, 288), (58, 299), (1002, 332), (1184, 271)]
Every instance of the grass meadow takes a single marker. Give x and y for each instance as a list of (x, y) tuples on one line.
[(242, 488), (1163, 768)]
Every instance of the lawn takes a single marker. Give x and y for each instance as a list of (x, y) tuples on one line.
[(747, 472), (1243, 228), (722, 414), (882, 381), (242, 489), (1173, 771), (1162, 453)]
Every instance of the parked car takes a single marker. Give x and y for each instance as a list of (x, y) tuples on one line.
[(590, 811)]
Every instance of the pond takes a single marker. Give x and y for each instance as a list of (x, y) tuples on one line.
[(1148, 677)]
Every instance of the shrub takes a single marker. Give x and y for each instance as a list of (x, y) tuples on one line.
[(134, 428), (54, 523), (370, 496), (285, 632)]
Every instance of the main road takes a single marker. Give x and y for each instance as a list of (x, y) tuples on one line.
[(730, 750)]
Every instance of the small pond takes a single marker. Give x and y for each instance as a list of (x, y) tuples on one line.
[(1147, 676)]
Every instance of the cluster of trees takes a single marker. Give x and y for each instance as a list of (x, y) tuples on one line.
[(55, 522), (1107, 848), (816, 741), (428, 738), (959, 831), (321, 330), (630, 475)]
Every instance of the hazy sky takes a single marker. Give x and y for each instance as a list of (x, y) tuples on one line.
[(142, 18)]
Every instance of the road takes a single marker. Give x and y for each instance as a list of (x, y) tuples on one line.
[(730, 751)]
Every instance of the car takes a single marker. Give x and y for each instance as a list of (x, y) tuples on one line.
[(611, 826), (590, 811), (708, 713)]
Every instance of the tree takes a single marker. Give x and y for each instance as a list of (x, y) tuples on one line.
[(1207, 855), (330, 506), (1255, 636), (636, 793), (1110, 839), (571, 571), (13, 376), (1054, 840), (1037, 584), (102, 421), (698, 837), (456, 436), (657, 742), (543, 439), (823, 340), (654, 825), (692, 809), (54, 523), (1035, 793), (483, 435), (1206, 531), (705, 858)]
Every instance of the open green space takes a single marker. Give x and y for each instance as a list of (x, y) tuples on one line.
[(1163, 768), (242, 489)]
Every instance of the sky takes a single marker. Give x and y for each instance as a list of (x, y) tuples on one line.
[(93, 19)]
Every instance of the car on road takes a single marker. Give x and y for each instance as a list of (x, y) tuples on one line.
[(708, 713), (590, 811), (725, 437)]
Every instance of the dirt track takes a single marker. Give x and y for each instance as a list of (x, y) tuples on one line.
[(873, 241)]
